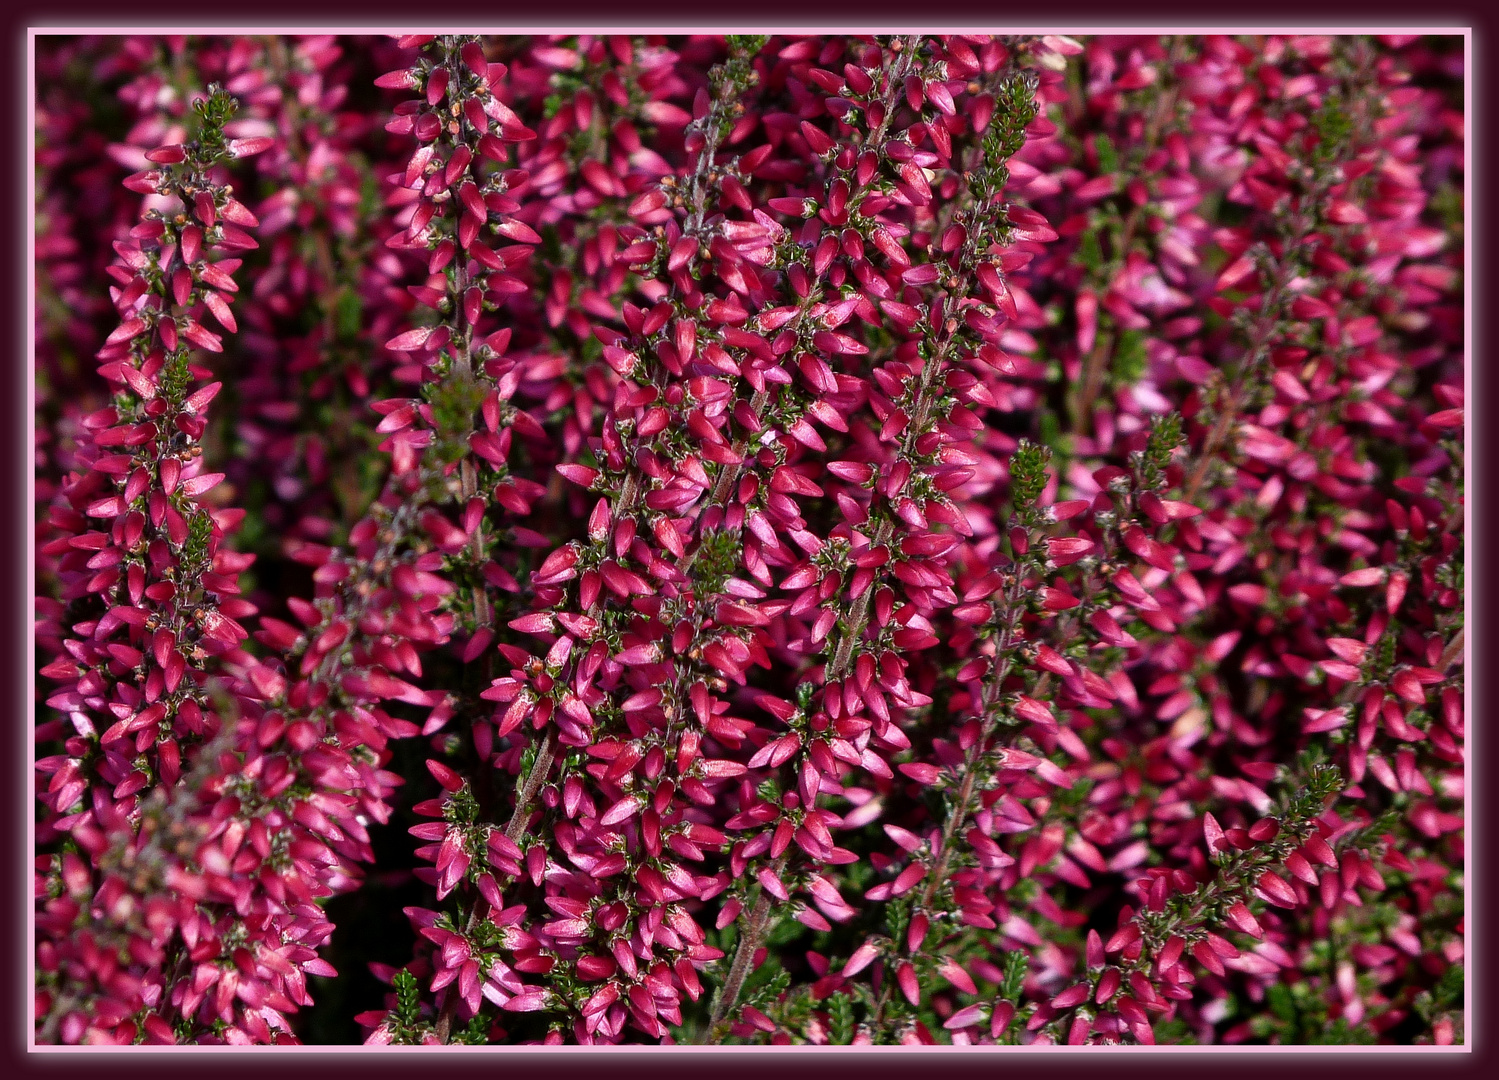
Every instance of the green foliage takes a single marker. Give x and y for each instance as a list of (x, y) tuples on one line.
[(174, 377), (1446, 994), (405, 1020), (348, 314), (1028, 476), (1129, 361), (736, 74), (1298, 1015), (195, 547), (454, 401), (461, 808), (1173, 1032), (213, 112), (476, 1033), (1014, 967), (745, 46), (840, 1019), (1447, 205), (1014, 108), (1165, 436), (1334, 128), (1108, 157), (717, 559), (784, 932), (804, 693), (898, 916), (766, 984), (1090, 251)]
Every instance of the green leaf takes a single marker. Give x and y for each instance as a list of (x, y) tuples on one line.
[(1028, 475), (1108, 157), (841, 1019)]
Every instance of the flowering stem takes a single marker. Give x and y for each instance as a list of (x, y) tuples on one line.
[(1259, 348), (527, 793), (1098, 359), (958, 816), (754, 933), (1301, 222)]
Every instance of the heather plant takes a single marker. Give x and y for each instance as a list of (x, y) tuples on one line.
[(742, 539)]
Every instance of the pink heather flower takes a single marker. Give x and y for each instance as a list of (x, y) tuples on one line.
[(840, 512)]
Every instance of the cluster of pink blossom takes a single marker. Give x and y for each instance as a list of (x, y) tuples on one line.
[(819, 539)]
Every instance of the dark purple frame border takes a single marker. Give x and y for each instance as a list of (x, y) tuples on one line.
[(16, 452)]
